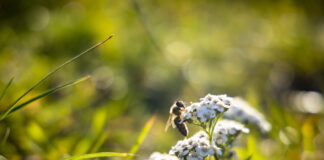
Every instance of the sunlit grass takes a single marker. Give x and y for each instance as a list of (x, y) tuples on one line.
[(141, 136), (13, 108), (6, 88), (270, 53), (51, 91), (99, 155)]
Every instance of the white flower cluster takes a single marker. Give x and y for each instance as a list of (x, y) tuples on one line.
[(160, 156), (226, 130), (196, 147), (207, 108), (242, 111), (218, 136)]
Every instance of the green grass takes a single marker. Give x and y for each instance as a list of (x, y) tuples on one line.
[(141, 136), (13, 106), (6, 88), (98, 155), (53, 90)]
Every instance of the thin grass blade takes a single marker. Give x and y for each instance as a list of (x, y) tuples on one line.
[(98, 155), (142, 136), (6, 88), (59, 68), (99, 142), (12, 109), (4, 140)]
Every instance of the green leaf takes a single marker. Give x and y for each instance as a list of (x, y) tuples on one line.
[(6, 88), (98, 155), (57, 69), (14, 108), (142, 136)]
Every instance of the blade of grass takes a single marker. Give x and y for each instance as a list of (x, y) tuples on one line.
[(6, 88), (14, 108), (59, 68), (99, 142), (98, 155), (5, 137), (142, 136), (141, 16)]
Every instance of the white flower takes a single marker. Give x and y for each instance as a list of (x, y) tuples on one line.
[(219, 151), (208, 108), (159, 156), (225, 134), (195, 147), (205, 151), (194, 156), (203, 113), (227, 129), (242, 111)]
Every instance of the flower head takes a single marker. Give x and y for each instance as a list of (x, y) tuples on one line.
[(195, 147), (226, 130), (160, 156), (208, 108), (242, 111), (225, 134)]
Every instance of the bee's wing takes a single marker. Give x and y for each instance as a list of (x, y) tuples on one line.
[(172, 123), (169, 122)]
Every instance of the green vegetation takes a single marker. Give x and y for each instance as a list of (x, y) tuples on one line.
[(270, 53), (142, 136), (97, 155)]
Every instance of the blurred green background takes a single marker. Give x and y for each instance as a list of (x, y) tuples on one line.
[(271, 53)]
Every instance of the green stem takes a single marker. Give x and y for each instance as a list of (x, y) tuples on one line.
[(216, 120), (215, 156), (210, 126), (211, 130)]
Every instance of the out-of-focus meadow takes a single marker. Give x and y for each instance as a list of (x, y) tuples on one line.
[(271, 53)]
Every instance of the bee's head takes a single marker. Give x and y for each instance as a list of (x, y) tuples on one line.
[(177, 108), (180, 104)]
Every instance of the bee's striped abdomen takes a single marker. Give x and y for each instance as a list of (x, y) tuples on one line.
[(181, 126)]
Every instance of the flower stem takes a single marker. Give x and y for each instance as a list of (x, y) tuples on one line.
[(215, 156), (211, 131), (214, 125)]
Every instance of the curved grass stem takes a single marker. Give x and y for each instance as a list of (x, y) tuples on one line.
[(6, 88), (12, 106)]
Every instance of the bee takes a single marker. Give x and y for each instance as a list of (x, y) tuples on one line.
[(175, 118)]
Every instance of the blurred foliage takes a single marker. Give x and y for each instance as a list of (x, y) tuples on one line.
[(268, 52)]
